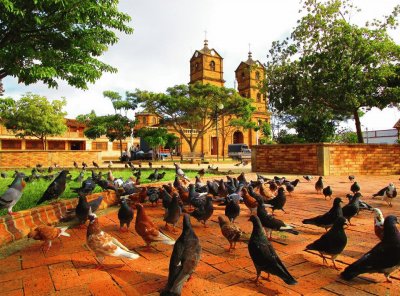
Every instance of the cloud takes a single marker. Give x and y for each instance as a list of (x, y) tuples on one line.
[(166, 33)]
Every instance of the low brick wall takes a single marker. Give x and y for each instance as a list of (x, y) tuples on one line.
[(18, 158), (19, 225), (327, 159)]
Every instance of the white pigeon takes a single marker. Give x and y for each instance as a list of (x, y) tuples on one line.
[(390, 193), (378, 223), (104, 244)]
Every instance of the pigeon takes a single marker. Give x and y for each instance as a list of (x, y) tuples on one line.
[(87, 186), (84, 208), (184, 259), (249, 201), (327, 191), (391, 192), (161, 176), (172, 213), (273, 187), (125, 215), (153, 176), (56, 188), (355, 187), (378, 223), (232, 210), (289, 188), (263, 254), (232, 233), (80, 177), (3, 175), (271, 223), (326, 220), (47, 234), (76, 165), (110, 164), (308, 178), (278, 202), (383, 258), (361, 204), (332, 242), (201, 172), (150, 165), (203, 213), (351, 178), (352, 208), (95, 164), (84, 165), (13, 194), (147, 229), (179, 172), (103, 244), (319, 185)]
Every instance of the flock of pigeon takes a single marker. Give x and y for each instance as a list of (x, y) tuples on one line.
[(197, 199)]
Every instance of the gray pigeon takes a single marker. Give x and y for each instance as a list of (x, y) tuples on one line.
[(184, 259), (13, 193)]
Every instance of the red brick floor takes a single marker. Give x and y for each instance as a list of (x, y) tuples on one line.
[(69, 267)]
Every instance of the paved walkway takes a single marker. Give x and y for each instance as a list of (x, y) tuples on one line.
[(69, 267)]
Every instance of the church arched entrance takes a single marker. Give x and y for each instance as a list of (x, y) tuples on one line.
[(237, 137)]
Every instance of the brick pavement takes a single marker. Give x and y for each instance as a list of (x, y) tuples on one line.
[(69, 267)]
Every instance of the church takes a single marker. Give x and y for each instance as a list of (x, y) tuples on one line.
[(206, 66)]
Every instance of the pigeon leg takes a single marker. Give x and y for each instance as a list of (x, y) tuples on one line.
[(256, 280), (334, 264), (230, 247), (324, 259), (12, 213), (234, 245), (387, 276), (46, 246), (166, 227)]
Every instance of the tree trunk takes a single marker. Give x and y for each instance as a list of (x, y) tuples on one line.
[(44, 143), (358, 127)]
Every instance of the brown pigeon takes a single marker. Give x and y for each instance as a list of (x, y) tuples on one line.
[(47, 234)]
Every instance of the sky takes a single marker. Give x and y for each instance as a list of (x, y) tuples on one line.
[(166, 34)]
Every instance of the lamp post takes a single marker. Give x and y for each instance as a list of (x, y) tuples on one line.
[(218, 107)]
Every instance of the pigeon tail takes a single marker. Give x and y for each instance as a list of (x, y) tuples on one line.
[(120, 252), (163, 238), (290, 230), (63, 231)]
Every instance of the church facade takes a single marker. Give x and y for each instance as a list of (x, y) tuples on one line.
[(206, 66)]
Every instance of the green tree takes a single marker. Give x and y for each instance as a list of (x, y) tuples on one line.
[(191, 109), (34, 116), (157, 138), (128, 103), (49, 40), (332, 65), (115, 127)]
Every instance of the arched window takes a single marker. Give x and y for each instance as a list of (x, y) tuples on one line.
[(212, 66), (196, 66), (258, 75), (243, 75), (258, 97)]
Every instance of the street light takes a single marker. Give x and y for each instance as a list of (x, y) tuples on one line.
[(218, 107)]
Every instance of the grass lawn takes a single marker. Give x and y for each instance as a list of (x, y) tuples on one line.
[(35, 189)]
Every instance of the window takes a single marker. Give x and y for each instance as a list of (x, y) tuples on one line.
[(116, 145), (99, 146), (56, 145), (212, 66), (243, 76), (33, 145), (144, 120), (196, 66), (258, 75), (258, 97), (154, 120), (11, 144)]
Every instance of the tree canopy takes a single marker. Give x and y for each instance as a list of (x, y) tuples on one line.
[(331, 66), (157, 138), (191, 109), (52, 40), (34, 116)]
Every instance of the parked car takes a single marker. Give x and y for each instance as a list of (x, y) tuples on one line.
[(239, 151)]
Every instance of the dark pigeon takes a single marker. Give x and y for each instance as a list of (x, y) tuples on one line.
[(279, 201), (264, 256), (352, 208), (383, 258), (319, 185), (232, 210), (125, 215), (355, 188), (232, 233), (84, 207), (56, 188), (203, 213), (331, 243), (184, 259), (327, 192), (173, 212), (326, 220)]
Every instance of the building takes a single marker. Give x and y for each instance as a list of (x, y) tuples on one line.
[(206, 66)]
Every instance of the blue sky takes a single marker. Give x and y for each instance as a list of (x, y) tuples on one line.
[(166, 33)]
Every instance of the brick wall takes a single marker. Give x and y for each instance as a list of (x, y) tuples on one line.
[(285, 159), (17, 158), (364, 159), (19, 225), (327, 159)]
